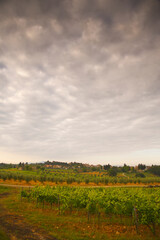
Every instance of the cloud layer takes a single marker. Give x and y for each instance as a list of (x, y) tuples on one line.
[(80, 80)]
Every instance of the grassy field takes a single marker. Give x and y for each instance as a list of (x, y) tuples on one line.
[(25, 220), (21, 219), (70, 177), (3, 235)]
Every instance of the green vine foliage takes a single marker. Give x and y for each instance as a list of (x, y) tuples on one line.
[(117, 201)]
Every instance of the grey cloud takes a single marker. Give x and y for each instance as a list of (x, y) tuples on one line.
[(79, 79), (2, 66)]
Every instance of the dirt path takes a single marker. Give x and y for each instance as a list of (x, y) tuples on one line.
[(17, 229), (14, 185), (114, 186)]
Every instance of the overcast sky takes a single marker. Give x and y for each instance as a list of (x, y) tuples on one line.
[(80, 81)]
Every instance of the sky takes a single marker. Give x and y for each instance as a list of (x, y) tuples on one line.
[(80, 81)]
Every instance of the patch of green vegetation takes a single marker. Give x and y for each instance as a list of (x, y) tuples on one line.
[(3, 189), (70, 226), (76, 173), (3, 235)]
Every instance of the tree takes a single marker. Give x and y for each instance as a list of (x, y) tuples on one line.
[(141, 175), (112, 172), (155, 170), (107, 167), (20, 164), (125, 168), (141, 166)]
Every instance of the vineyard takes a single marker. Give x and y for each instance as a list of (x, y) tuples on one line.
[(69, 177), (141, 205)]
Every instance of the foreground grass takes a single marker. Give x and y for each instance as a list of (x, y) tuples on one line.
[(3, 235), (73, 226), (4, 189)]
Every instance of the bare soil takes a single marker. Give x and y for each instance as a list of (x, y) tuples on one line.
[(16, 228)]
